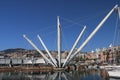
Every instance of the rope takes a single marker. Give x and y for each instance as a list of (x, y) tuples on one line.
[(41, 30), (85, 18), (71, 21), (91, 17), (64, 40), (115, 32), (118, 36)]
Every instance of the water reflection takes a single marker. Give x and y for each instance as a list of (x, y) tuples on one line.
[(72, 75)]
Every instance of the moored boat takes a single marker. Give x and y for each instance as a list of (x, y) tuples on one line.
[(113, 71)]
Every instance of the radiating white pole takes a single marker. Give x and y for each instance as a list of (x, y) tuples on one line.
[(119, 12), (38, 50), (53, 60), (93, 33), (59, 42), (75, 44)]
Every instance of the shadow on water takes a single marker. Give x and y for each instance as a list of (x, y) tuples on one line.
[(71, 75)]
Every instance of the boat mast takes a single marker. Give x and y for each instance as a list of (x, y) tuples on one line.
[(119, 12), (59, 42), (93, 33), (38, 50), (75, 44)]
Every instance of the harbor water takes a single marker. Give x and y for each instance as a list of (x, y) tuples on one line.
[(59, 75)]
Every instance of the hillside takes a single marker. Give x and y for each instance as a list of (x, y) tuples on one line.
[(23, 53), (19, 52)]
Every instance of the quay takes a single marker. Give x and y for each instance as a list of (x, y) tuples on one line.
[(26, 69), (42, 68)]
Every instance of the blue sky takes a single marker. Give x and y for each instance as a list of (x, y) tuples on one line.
[(32, 17)]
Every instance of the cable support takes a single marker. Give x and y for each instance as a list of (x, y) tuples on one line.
[(115, 32)]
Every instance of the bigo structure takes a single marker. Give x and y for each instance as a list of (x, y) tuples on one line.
[(52, 61)]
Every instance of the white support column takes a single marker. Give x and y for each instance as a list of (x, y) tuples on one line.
[(38, 50), (119, 12), (53, 60), (93, 33), (75, 44), (59, 42)]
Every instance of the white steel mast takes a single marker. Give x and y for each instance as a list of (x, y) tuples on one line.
[(53, 60), (59, 42), (119, 12), (93, 33), (75, 44), (38, 50)]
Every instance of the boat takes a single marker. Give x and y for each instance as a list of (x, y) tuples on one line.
[(113, 71), (114, 74)]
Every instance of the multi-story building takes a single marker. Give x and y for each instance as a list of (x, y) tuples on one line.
[(110, 55)]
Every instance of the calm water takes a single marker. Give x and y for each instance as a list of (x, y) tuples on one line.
[(72, 75)]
